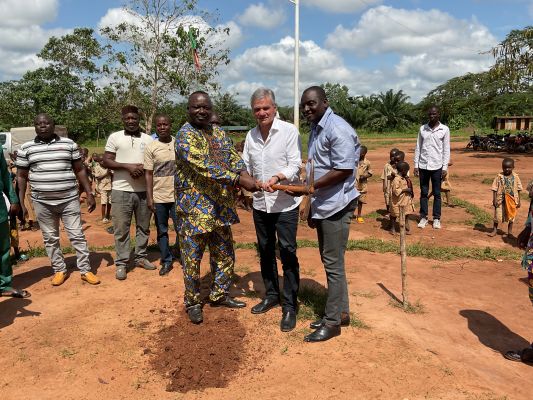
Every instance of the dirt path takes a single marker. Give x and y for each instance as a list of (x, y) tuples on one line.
[(128, 340)]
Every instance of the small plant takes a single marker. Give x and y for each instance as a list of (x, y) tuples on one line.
[(251, 294), (284, 350), (487, 181), (410, 308), (355, 322)]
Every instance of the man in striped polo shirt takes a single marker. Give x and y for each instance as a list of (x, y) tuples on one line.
[(54, 167)]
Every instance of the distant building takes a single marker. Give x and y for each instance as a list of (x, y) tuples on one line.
[(513, 123)]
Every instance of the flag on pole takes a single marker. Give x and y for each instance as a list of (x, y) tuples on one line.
[(194, 49)]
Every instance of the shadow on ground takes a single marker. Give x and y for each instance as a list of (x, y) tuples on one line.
[(493, 333)]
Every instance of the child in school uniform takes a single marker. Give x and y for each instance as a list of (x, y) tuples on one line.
[(388, 170), (445, 188), (103, 177), (364, 172), (506, 189), (401, 196)]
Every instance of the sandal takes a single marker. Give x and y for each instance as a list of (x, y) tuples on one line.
[(16, 293)]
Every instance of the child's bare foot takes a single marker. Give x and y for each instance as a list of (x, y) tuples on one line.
[(493, 233)]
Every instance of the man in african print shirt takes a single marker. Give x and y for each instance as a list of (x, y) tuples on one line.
[(208, 171)]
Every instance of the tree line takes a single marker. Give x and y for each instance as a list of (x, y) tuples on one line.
[(150, 62)]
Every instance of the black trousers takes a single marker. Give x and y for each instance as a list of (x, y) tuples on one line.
[(283, 225)]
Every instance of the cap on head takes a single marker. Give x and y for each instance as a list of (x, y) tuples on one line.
[(130, 109)]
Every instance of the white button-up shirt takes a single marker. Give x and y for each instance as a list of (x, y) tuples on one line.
[(432, 150), (280, 153)]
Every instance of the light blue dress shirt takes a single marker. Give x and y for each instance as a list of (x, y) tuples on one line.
[(333, 144)]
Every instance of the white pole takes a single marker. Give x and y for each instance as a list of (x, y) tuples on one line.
[(296, 62)]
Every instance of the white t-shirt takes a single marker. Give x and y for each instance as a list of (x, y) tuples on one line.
[(128, 150)]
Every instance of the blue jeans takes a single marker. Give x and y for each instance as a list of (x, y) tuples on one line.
[(436, 178), (162, 212)]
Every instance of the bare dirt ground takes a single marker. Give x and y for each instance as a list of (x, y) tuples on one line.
[(132, 339)]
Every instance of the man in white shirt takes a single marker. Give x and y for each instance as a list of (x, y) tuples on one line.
[(432, 155), (272, 154), (124, 154)]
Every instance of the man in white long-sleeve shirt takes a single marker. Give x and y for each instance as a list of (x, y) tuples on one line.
[(272, 153), (432, 155)]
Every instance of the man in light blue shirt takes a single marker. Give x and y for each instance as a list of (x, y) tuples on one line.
[(334, 150)]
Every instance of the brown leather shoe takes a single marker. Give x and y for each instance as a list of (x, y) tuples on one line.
[(90, 278), (59, 278)]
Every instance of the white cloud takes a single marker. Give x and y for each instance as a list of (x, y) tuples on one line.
[(261, 16), (17, 13), (342, 6), (274, 65), (23, 36), (432, 46)]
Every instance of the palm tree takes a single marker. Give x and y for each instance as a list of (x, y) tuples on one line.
[(390, 111)]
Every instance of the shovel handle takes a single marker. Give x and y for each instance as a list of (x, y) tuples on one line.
[(294, 188)]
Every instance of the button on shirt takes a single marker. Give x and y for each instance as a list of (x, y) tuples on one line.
[(280, 153), (433, 148), (333, 145)]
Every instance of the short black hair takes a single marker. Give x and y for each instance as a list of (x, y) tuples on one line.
[(319, 91), (508, 160), (400, 154), (394, 150), (196, 94), (402, 166), (364, 149), (162, 116)]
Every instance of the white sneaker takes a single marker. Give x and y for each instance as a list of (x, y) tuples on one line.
[(436, 224), (423, 222)]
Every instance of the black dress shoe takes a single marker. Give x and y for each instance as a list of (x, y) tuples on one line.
[(195, 313), (325, 332), (165, 269), (265, 305), (288, 321), (228, 302), (345, 321)]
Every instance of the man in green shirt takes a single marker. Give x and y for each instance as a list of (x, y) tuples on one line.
[(6, 272)]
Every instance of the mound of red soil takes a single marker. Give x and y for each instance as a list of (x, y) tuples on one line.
[(195, 357)]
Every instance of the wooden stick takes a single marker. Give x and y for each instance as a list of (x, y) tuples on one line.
[(294, 188), (403, 255)]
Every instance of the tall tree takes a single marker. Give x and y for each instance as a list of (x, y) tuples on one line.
[(151, 55), (514, 60), (390, 111)]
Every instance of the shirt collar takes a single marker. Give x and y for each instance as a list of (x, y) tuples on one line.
[(273, 129), (38, 139), (324, 118), (439, 126)]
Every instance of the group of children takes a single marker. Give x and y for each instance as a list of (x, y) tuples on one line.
[(397, 186), (398, 191)]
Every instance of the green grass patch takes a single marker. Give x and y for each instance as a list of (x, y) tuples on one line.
[(312, 302), (487, 181), (479, 216), (356, 322), (366, 295), (372, 215)]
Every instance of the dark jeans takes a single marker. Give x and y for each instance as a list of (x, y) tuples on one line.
[(333, 235), (284, 225), (162, 212), (436, 178)]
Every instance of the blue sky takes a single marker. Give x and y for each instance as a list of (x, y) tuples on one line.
[(368, 45)]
